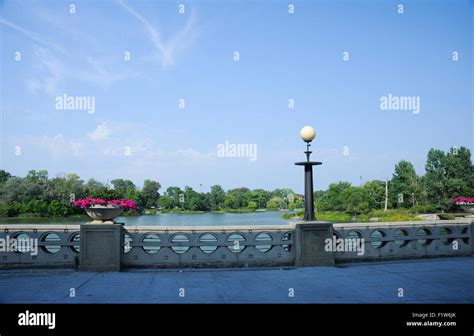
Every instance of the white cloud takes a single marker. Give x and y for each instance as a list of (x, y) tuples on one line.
[(51, 72), (57, 146), (191, 153), (166, 52), (101, 132), (33, 36)]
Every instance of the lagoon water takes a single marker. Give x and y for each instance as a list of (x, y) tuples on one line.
[(253, 218)]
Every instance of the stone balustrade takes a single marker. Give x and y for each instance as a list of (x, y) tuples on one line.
[(295, 244)]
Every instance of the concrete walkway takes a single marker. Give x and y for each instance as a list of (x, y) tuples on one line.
[(423, 281)]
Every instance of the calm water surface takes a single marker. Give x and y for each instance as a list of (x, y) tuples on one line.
[(253, 218)]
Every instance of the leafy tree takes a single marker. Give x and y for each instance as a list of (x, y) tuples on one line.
[(241, 196), (100, 190), (375, 194), (260, 196), (35, 176), (435, 177), (194, 200), (17, 190), (166, 202), (252, 205), (276, 203), (216, 197), (175, 194), (298, 203), (448, 175), (4, 176), (355, 200), (405, 186), (230, 201), (150, 193), (331, 201), (123, 187)]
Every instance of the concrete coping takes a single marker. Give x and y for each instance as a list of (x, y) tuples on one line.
[(142, 228), (40, 227), (241, 228), (438, 222), (212, 228)]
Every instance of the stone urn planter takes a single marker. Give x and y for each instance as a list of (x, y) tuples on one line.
[(468, 208), (103, 214)]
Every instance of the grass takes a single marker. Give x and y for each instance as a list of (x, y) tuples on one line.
[(344, 217), (179, 211)]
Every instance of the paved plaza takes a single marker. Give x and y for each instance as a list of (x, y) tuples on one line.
[(421, 281)]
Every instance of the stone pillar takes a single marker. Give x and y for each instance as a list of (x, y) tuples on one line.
[(310, 240), (101, 247)]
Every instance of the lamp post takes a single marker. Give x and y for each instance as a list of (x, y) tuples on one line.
[(308, 133)]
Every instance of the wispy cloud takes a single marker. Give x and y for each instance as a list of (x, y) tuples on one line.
[(52, 72), (34, 36), (65, 27), (191, 153), (166, 52), (102, 132)]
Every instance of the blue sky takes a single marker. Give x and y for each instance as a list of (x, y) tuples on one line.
[(190, 56)]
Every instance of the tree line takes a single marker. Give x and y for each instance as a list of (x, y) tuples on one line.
[(38, 195), (447, 175)]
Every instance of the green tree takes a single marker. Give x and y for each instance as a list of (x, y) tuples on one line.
[(4, 176), (435, 177), (375, 194), (176, 194), (448, 175), (252, 205), (355, 200), (194, 201), (36, 176), (166, 202), (150, 193), (331, 201), (241, 196), (405, 186), (123, 187), (261, 197), (98, 189), (216, 197), (276, 203), (230, 201)]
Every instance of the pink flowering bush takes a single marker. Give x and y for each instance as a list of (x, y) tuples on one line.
[(463, 200), (89, 202)]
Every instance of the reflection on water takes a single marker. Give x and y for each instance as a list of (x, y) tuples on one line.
[(211, 219)]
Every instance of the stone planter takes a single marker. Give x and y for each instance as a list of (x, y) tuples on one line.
[(468, 208), (103, 214)]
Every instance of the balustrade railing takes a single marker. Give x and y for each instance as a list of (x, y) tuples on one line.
[(237, 246)]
